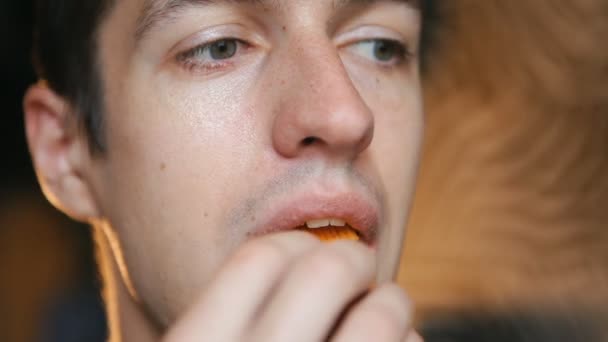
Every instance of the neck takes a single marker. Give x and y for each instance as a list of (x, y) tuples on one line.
[(127, 321)]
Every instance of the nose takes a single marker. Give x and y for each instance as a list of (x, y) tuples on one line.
[(320, 110)]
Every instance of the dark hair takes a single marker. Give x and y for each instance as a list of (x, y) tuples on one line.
[(430, 15), (65, 56)]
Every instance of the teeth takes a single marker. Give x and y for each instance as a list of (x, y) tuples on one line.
[(324, 223), (337, 223), (317, 223)]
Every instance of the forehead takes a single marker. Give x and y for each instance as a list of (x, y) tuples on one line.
[(155, 12)]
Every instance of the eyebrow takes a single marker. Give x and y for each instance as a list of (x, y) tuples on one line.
[(156, 12)]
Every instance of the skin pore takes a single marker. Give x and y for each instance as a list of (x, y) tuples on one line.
[(227, 119)]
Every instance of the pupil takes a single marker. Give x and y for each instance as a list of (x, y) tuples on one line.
[(383, 51), (223, 49)]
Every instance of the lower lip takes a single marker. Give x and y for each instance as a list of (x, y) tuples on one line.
[(370, 243)]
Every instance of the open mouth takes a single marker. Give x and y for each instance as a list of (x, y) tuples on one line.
[(328, 230), (329, 217)]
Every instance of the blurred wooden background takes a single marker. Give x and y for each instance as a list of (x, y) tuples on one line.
[(512, 205)]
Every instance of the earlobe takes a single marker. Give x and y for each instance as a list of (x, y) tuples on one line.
[(59, 152)]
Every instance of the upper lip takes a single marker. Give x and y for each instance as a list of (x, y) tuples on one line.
[(357, 210)]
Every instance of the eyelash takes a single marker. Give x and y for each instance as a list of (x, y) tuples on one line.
[(402, 51), (190, 58)]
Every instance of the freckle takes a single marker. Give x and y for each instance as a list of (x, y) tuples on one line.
[(253, 218), (206, 214), (284, 28), (163, 166)]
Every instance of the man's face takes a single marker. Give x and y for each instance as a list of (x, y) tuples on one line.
[(230, 119)]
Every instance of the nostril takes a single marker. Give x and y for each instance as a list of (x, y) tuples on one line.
[(309, 141)]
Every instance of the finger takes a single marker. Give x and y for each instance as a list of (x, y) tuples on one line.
[(242, 284), (309, 301), (383, 315), (414, 337)]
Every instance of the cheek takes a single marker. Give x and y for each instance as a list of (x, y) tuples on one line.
[(186, 132), (396, 101), (175, 166), (395, 151), (397, 142)]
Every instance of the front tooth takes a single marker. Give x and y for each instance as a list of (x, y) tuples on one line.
[(317, 223), (337, 223)]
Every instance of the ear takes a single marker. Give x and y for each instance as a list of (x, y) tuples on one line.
[(59, 152)]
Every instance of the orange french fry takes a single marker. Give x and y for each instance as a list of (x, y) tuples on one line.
[(328, 234)]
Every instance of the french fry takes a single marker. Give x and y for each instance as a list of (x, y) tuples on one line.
[(327, 234)]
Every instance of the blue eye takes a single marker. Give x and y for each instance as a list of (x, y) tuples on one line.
[(382, 50), (213, 56), (223, 49), (216, 51)]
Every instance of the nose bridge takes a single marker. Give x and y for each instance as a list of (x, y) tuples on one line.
[(321, 108), (321, 71)]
